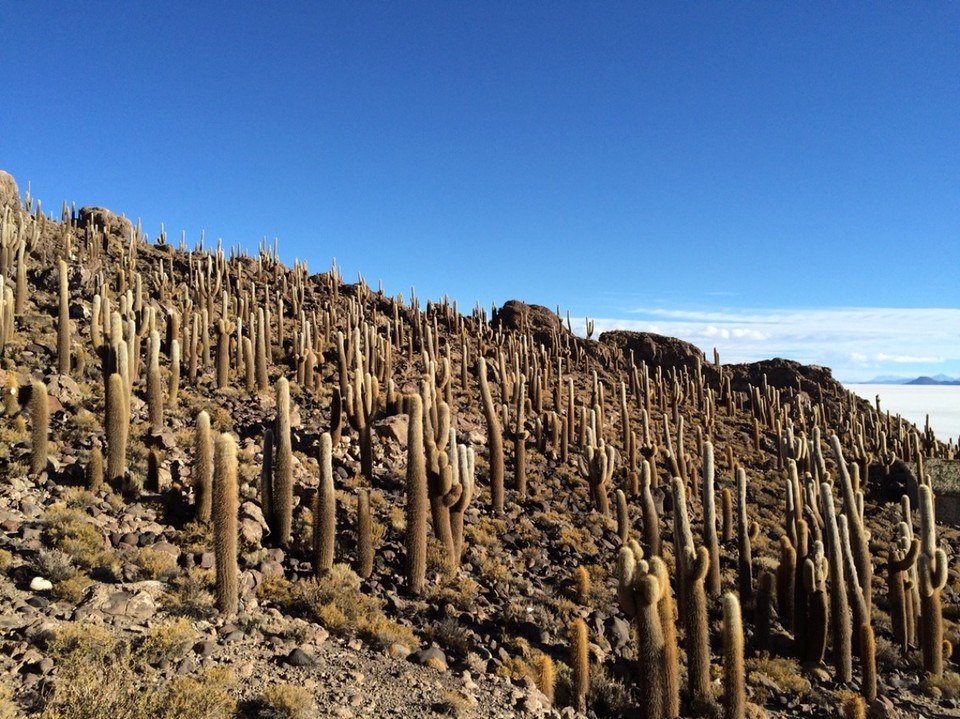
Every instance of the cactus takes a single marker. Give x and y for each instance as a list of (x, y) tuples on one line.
[(860, 547), (597, 464), (154, 384), (63, 322), (815, 570), (901, 557), (841, 632), (932, 576), (324, 511), (203, 467), (545, 671), (710, 521), (786, 579), (467, 473), (667, 613), (763, 612), (623, 517), (494, 438), (94, 472), (868, 662), (416, 537), (225, 505), (266, 479), (697, 567), (282, 510), (117, 427), (651, 522), (580, 662), (726, 505), (746, 531), (39, 427), (734, 696), (583, 584), (364, 535)]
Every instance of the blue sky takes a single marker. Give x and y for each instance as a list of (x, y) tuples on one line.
[(773, 179)]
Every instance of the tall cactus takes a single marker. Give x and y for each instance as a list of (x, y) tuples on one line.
[(932, 574), (40, 427), (63, 322), (225, 507), (734, 695), (710, 521), (118, 427), (901, 557), (325, 511), (494, 438), (282, 511), (416, 537)]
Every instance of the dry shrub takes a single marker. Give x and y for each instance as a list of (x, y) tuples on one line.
[(286, 701), (168, 640), (68, 530), (155, 564), (336, 602), (98, 677), (784, 672)]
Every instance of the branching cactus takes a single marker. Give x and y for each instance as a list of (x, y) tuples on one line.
[(932, 575), (852, 501), (815, 570), (466, 472), (639, 592), (902, 557), (597, 465), (696, 565), (363, 404)]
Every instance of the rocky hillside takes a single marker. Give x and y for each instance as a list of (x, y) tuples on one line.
[(233, 488)]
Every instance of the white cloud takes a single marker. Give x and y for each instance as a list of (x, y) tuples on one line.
[(850, 340)]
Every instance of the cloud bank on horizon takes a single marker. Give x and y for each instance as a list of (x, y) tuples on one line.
[(857, 343)]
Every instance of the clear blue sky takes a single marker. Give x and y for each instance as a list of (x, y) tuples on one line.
[(773, 179)]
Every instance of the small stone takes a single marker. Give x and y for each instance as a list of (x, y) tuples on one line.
[(431, 657), (39, 584), (299, 658)]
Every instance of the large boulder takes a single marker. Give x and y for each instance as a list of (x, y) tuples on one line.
[(9, 193), (106, 221), (543, 323), (654, 349)]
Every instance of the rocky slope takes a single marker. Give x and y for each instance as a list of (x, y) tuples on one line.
[(107, 592)]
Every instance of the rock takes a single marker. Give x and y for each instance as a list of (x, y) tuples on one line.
[(299, 658), (393, 428), (618, 632), (431, 657), (39, 584), (9, 192), (251, 533), (105, 221), (882, 708), (398, 651)]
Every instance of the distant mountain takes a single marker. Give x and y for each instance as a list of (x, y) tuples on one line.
[(891, 379), (934, 380)]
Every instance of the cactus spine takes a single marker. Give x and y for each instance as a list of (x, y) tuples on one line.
[(225, 505), (364, 535)]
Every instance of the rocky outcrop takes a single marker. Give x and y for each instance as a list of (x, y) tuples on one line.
[(106, 221), (543, 323), (654, 349), (9, 194)]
